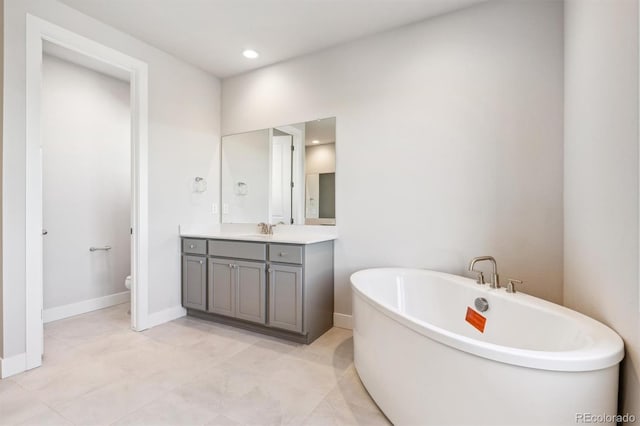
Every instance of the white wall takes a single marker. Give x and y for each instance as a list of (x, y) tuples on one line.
[(449, 140), (86, 127), (601, 174), (1, 166), (184, 134), (245, 158)]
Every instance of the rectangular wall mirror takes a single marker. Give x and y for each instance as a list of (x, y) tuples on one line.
[(285, 174)]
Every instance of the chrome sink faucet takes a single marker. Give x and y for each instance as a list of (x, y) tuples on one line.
[(495, 279)]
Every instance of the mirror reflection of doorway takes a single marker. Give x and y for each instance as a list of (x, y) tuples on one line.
[(282, 177), (327, 195), (320, 204), (320, 173), (273, 175)]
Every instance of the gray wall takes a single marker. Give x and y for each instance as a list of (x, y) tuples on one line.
[(449, 140), (601, 173)]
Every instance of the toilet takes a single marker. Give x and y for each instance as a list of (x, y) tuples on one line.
[(127, 284)]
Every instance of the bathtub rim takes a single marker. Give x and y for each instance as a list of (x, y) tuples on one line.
[(606, 348)]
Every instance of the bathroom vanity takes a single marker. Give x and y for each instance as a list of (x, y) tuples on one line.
[(281, 286)]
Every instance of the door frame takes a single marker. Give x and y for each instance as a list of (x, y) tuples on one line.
[(297, 172), (39, 30)]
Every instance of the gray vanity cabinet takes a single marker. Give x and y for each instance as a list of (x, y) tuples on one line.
[(222, 295), (285, 297), (281, 289), (237, 289), (251, 289), (194, 279), (194, 274)]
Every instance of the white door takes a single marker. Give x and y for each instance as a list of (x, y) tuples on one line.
[(281, 183), (86, 183)]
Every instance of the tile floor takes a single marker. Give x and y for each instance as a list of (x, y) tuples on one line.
[(186, 372)]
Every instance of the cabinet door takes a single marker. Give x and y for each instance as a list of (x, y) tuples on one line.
[(221, 287), (251, 291), (194, 282), (285, 297)]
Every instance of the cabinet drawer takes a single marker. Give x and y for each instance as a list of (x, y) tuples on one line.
[(193, 246), (285, 253), (238, 249)]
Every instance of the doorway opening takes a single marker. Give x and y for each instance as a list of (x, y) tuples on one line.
[(287, 175), (86, 186), (282, 183), (45, 38)]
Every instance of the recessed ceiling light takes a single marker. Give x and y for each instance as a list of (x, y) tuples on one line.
[(250, 54), (315, 142)]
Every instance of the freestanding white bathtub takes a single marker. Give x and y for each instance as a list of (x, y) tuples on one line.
[(536, 363)]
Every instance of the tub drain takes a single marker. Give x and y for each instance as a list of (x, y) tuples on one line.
[(481, 304)]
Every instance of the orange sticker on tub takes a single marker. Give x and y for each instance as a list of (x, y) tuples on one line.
[(475, 319)]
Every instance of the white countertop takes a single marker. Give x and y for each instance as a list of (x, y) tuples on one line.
[(288, 234)]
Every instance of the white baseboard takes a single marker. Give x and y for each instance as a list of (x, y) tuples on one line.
[(66, 311), (13, 365), (167, 315), (342, 321)]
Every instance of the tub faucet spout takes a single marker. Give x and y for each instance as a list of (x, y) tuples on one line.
[(495, 279)]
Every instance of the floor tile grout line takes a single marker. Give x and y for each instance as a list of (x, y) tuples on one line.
[(66, 371), (330, 372), (321, 401), (138, 408), (60, 414), (62, 405)]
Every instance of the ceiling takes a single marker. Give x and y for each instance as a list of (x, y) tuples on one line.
[(212, 34), (323, 131)]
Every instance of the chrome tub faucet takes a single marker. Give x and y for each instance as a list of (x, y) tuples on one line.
[(495, 279)]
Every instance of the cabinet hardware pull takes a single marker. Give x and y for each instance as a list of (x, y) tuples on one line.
[(231, 265), (283, 253), (200, 261), (192, 246)]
